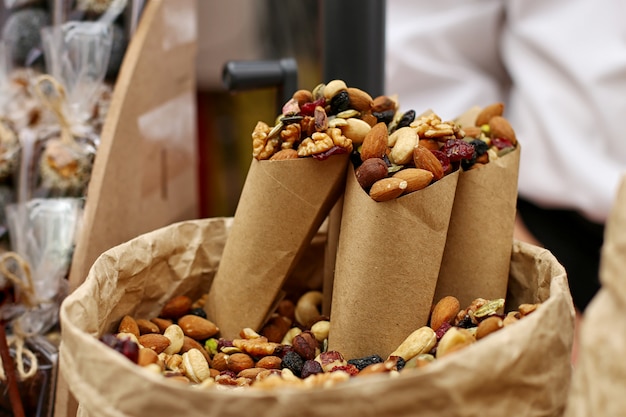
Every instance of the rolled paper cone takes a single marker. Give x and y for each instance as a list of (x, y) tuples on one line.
[(387, 265), (480, 236), (281, 207)]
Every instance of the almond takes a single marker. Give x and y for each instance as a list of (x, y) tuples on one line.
[(375, 142), (189, 343), (430, 144), (488, 326), (485, 115), (383, 103), (284, 154), (416, 178), (147, 356), (370, 171), (250, 373), (154, 341), (359, 99), (237, 362), (176, 307), (387, 189), (499, 127), (197, 327), (444, 311), (369, 118), (128, 325), (146, 326), (472, 131), (423, 158), (269, 362), (162, 324)]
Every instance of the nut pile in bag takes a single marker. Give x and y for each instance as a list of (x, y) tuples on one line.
[(394, 152), (290, 351)]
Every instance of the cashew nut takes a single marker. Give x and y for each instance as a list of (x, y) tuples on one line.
[(308, 307)]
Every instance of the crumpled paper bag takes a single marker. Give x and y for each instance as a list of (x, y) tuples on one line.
[(522, 370), (599, 380)]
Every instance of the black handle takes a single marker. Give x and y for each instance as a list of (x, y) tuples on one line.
[(251, 75)]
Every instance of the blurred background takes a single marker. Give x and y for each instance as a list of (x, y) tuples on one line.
[(245, 30)]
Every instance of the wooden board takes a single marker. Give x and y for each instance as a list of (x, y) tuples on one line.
[(145, 173)]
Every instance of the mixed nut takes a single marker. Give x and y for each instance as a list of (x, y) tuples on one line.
[(291, 349), (393, 152)]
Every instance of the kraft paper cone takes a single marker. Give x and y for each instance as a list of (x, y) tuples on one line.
[(480, 235), (281, 207), (387, 264)]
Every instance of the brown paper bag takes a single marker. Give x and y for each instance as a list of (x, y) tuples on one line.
[(599, 380), (282, 205), (480, 235), (388, 259), (522, 370)]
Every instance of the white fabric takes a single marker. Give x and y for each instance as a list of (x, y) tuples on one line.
[(559, 66)]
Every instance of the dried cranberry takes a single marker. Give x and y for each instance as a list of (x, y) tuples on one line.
[(129, 349), (351, 369), (222, 343), (458, 149), (308, 109), (443, 158), (311, 367), (335, 150), (501, 143), (229, 373), (445, 326)]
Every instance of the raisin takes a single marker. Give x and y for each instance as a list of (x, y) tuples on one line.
[(466, 322), (480, 146), (361, 363), (400, 363), (340, 102), (384, 116), (293, 362), (407, 118), (198, 312), (311, 367)]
